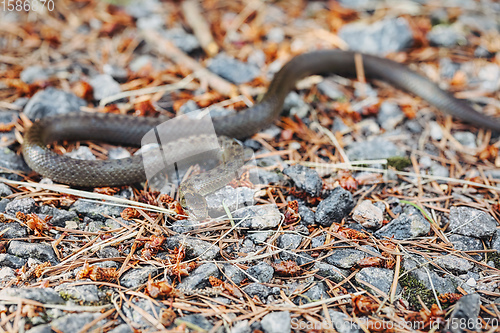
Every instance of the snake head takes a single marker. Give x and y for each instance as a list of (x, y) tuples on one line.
[(195, 204)]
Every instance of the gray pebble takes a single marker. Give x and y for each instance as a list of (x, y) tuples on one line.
[(42, 295), (389, 115), (8, 260), (85, 293), (232, 69), (198, 279), (407, 225), (381, 37), (194, 247), (380, 278), (466, 311), (305, 179), (263, 272), (138, 276), (377, 148), (23, 205), (447, 36), (258, 217), (335, 207), (289, 242), (51, 102), (471, 222), (39, 251), (104, 86), (368, 215), (277, 322)]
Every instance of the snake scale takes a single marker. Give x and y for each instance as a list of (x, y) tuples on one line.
[(128, 130)]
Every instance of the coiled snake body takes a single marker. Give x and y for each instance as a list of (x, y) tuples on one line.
[(128, 130)]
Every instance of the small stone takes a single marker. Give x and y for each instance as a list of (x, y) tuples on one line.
[(381, 37), (183, 40), (138, 276), (51, 102), (139, 62), (467, 243), (407, 225), (288, 242), (447, 36), (241, 327), (375, 149), (59, 216), (368, 215), (15, 230), (42, 295), (123, 328), (335, 207), (466, 139), (257, 289), (305, 179), (466, 311), (389, 115), (6, 275), (85, 293), (276, 35), (136, 316), (263, 272), (108, 252), (380, 278), (151, 22), (23, 205), (4, 190), (116, 72), (306, 215), (482, 52), (343, 323), (258, 217), (315, 293), (234, 273), (39, 251), (471, 222), (277, 322), (95, 211), (478, 22), (489, 74), (295, 105), (35, 73), (198, 279), (7, 260), (197, 322), (144, 8), (118, 153), (104, 86), (194, 247), (345, 258), (9, 160), (454, 264), (331, 89), (318, 241), (230, 197), (232, 69), (414, 265), (436, 131), (339, 126)]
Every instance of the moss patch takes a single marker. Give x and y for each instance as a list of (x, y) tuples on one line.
[(413, 288)]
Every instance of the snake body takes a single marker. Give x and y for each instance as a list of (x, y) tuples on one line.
[(128, 130)]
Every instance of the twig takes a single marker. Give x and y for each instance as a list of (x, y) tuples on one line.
[(201, 28)]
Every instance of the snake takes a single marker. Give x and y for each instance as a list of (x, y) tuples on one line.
[(129, 130)]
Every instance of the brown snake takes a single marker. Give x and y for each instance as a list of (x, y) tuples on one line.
[(128, 130)]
